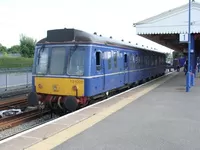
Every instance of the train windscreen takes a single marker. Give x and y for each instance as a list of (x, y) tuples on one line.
[(76, 61), (67, 60), (57, 61), (42, 61)]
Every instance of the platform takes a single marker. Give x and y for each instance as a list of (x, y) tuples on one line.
[(157, 115), (165, 118)]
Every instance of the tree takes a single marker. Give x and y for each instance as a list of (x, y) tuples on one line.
[(27, 46), (3, 49), (177, 54), (167, 55), (14, 49)]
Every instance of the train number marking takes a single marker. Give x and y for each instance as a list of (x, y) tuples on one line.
[(76, 81)]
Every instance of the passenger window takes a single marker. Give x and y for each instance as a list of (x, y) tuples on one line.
[(125, 58), (131, 61), (149, 60), (125, 61), (142, 61), (98, 60), (115, 59), (136, 58), (139, 60), (152, 60), (156, 59), (109, 60), (146, 61)]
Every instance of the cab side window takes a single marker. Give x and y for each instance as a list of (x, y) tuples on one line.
[(98, 61)]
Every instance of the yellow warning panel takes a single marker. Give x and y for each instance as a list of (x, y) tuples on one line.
[(59, 86)]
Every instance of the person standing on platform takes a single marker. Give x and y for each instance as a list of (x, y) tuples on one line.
[(186, 67)]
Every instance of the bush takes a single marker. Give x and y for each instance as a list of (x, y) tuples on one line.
[(12, 62)]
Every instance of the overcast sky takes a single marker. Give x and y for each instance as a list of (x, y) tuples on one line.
[(107, 17)]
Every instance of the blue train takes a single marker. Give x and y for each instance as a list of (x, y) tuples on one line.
[(72, 67), (179, 62)]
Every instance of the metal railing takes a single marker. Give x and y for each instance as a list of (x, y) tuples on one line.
[(15, 70), (15, 78)]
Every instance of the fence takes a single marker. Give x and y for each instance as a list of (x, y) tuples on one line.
[(15, 78), (15, 70)]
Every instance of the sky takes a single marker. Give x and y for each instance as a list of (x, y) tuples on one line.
[(106, 17)]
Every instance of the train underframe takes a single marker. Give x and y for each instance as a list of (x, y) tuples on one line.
[(57, 103)]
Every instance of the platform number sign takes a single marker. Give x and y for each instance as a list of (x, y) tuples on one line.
[(183, 38)]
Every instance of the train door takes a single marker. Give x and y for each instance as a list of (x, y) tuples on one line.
[(126, 70), (100, 68)]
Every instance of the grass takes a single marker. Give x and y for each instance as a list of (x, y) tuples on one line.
[(12, 62)]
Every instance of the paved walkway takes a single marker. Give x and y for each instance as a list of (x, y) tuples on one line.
[(166, 118)]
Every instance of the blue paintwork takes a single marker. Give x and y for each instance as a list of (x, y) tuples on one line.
[(97, 82), (97, 85)]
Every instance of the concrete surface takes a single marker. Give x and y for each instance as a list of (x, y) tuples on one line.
[(166, 118)]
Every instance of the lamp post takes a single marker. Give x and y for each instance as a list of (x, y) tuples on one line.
[(189, 49)]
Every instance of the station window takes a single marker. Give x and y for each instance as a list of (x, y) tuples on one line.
[(98, 60), (115, 59)]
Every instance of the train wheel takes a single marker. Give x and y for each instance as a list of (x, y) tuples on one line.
[(32, 99), (50, 104), (70, 103), (59, 103)]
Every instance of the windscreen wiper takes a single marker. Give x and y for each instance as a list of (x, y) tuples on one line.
[(39, 54)]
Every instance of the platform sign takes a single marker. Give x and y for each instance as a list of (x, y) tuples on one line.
[(183, 38)]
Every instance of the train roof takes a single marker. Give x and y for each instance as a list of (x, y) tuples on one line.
[(77, 36)]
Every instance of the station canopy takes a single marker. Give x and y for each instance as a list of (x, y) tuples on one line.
[(171, 27)]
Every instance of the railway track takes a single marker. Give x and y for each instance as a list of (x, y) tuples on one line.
[(16, 102), (18, 119)]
